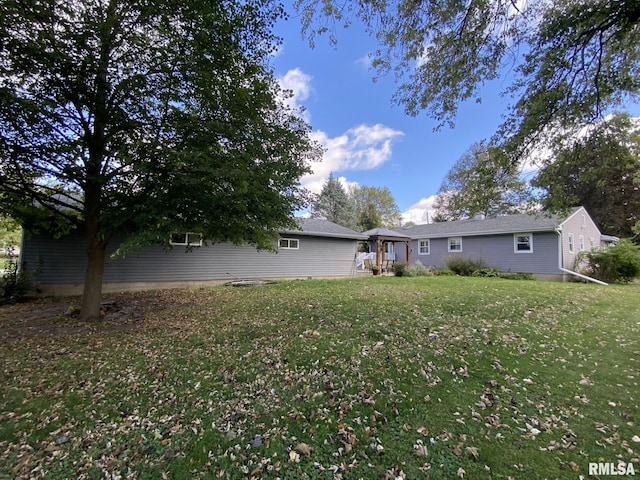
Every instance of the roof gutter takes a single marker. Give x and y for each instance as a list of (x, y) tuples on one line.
[(571, 272), (324, 234)]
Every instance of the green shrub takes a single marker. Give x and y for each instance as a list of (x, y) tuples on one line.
[(614, 264), (417, 270), (516, 276), (464, 266), (443, 272), (486, 272), (399, 269), (15, 283)]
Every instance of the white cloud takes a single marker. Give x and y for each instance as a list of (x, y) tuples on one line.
[(364, 62), (421, 212), (364, 147), (298, 84)]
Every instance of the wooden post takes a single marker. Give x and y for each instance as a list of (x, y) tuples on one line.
[(408, 245)]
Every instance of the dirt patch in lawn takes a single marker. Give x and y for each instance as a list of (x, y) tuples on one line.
[(58, 317)]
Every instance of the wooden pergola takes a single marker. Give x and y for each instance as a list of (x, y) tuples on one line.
[(380, 236)]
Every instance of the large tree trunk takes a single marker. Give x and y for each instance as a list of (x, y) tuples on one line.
[(94, 183), (92, 294)]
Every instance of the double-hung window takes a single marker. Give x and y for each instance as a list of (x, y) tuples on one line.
[(424, 247), (289, 244), (523, 242), (455, 244), (571, 242), (186, 239)]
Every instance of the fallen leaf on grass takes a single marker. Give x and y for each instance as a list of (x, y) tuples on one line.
[(304, 449), (570, 466), (472, 452), (394, 474), (294, 456), (420, 450), (457, 450), (348, 439)]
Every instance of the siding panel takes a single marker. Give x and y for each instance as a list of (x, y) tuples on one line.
[(579, 224), (497, 251), (485, 239), (63, 261)]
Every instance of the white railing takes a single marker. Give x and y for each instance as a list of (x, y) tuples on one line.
[(361, 257)]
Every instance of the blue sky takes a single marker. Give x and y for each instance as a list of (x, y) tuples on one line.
[(369, 140)]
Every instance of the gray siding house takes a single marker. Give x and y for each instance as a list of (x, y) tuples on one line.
[(319, 249), (545, 246)]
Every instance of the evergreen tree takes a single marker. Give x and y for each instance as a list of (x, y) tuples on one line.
[(334, 204)]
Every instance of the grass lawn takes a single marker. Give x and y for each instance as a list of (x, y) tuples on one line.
[(372, 378)]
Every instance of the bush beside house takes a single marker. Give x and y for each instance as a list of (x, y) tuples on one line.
[(620, 263)]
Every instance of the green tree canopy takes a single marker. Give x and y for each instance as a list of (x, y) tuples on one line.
[(333, 203), (146, 117), (570, 59), (9, 233), (374, 207), (599, 171), (482, 182)]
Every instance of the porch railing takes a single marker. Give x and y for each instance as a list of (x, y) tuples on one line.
[(361, 257)]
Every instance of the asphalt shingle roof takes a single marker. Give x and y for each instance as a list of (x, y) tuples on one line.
[(489, 226), (385, 232), (325, 228)]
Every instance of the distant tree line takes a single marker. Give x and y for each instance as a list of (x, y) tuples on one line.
[(599, 170), (361, 208)]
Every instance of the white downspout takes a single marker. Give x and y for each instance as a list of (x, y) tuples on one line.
[(590, 279), (571, 272)]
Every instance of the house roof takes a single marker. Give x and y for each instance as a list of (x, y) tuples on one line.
[(315, 227), (609, 239), (521, 223), (386, 234)]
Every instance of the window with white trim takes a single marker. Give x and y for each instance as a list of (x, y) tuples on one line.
[(581, 244), (424, 247), (186, 239), (592, 243), (455, 244), (523, 243), (570, 237), (289, 244)]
